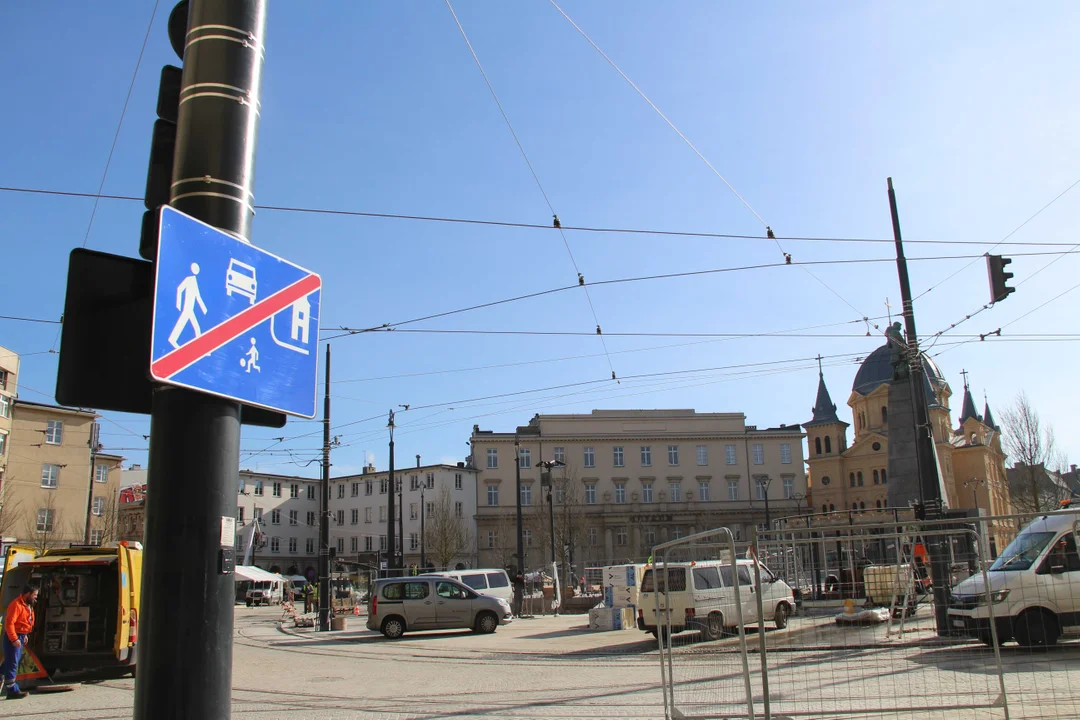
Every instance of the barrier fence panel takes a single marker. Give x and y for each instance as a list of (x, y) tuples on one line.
[(692, 596), (867, 639)]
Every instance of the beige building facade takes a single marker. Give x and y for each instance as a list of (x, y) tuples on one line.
[(630, 479), (59, 489), (9, 376)]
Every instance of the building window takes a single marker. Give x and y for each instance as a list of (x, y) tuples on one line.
[(817, 446), (592, 536), (292, 545), (789, 488), (54, 432), (526, 537), (45, 517), (884, 415), (311, 518), (3, 443), (368, 543), (383, 482), (367, 514), (877, 478), (828, 445), (3, 379), (382, 543), (675, 490), (340, 517), (493, 495), (414, 484), (649, 537), (459, 509), (310, 492), (430, 481), (382, 513), (785, 454), (341, 544), (702, 455), (354, 544), (50, 476), (590, 493), (851, 479), (703, 491), (258, 513), (354, 516), (98, 506), (560, 454), (590, 458), (275, 517), (729, 455), (96, 536), (617, 457), (524, 458), (762, 489), (676, 532), (368, 487), (341, 491), (620, 537), (759, 454), (294, 490), (526, 494), (275, 545), (620, 493), (732, 489), (493, 458), (240, 515), (672, 454), (356, 489), (493, 539), (458, 481), (859, 476), (560, 495), (414, 541), (277, 489), (293, 519), (5, 406), (646, 456), (101, 472), (884, 477), (646, 492)]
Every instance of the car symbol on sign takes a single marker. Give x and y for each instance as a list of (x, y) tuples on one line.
[(240, 279)]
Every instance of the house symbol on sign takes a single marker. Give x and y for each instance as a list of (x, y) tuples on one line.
[(300, 326)]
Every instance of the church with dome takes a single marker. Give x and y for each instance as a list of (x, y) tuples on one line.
[(858, 483)]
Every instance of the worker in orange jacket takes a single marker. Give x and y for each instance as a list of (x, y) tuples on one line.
[(18, 622)]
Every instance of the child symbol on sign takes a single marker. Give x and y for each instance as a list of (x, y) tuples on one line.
[(252, 362)]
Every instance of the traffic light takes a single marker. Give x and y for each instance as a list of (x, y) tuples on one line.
[(995, 266)]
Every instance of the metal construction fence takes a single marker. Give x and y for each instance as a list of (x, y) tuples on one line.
[(886, 620)]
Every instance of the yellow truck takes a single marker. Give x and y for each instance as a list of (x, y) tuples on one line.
[(87, 612)]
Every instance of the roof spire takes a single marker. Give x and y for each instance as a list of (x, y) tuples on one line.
[(988, 419), (969, 404), (824, 408)]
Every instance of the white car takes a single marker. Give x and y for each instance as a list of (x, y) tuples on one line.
[(1034, 587), (240, 279), (701, 596)]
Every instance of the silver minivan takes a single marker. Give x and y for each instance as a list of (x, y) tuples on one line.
[(400, 605)]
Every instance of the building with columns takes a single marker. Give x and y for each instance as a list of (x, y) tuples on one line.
[(630, 479)]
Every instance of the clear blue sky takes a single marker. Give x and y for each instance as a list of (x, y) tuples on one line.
[(805, 109)]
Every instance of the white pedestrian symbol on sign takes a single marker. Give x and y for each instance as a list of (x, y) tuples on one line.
[(187, 296), (252, 358)]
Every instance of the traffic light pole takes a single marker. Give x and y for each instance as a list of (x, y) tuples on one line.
[(186, 620), (925, 451), (391, 548), (324, 510)]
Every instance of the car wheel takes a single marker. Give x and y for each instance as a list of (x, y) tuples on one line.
[(988, 639), (658, 632), (487, 622), (714, 627), (1035, 628), (780, 617), (393, 627)]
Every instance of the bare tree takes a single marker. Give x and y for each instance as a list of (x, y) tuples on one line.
[(446, 535), (10, 508), (1031, 446), (109, 520), (569, 518), (44, 528)]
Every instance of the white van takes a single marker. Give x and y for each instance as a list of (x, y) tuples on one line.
[(265, 592), (486, 581), (701, 596), (1034, 587)]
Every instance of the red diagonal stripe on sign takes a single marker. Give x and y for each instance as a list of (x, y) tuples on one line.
[(172, 363)]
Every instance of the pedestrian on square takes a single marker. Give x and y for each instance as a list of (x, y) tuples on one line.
[(18, 622), (309, 597)]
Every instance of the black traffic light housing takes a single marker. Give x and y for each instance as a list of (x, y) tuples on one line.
[(995, 267)]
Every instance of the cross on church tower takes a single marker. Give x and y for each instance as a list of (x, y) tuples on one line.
[(888, 309), (965, 374), (819, 365)]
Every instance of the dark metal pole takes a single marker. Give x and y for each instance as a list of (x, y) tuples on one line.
[(93, 443), (391, 548), (324, 510), (551, 520), (768, 517), (400, 525), (519, 588), (926, 453), (186, 623), (423, 557)]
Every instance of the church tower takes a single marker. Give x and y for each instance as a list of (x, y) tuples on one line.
[(826, 436)]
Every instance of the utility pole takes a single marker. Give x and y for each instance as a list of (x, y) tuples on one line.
[(390, 546), (768, 518), (324, 510), (95, 445), (519, 587), (401, 524), (423, 557), (185, 646), (925, 452)]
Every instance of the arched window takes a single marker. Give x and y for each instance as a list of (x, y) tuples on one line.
[(860, 478), (862, 506), (852, 479), (817, 445), (884, 415), (828, 444), (832, 508), (854, 506), (884, 478), (877, 478), (877, 504), (824, 508)]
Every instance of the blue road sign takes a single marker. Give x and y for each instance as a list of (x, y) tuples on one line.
[(233, 320)]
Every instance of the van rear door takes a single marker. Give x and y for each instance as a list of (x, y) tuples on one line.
[(13, 581), (129, 572)]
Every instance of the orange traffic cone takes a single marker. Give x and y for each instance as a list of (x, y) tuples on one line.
[(356, 610)]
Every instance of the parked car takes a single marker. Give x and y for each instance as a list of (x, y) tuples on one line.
[(486, 581), (1034, 587), (701, 596), (400, 605)]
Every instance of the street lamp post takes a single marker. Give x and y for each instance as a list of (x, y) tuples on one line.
[(519, 584), (423, 557), (765, 483), (974, 484), (545, 482)]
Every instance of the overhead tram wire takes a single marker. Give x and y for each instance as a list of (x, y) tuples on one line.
[(1000, 242), (566, 228), (536, 178)]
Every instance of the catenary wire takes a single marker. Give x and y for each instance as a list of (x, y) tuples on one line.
[(536, 178)]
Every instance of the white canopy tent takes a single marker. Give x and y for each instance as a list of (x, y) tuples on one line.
[(250, 572)]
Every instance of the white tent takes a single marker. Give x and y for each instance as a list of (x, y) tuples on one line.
[(250, 572)]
